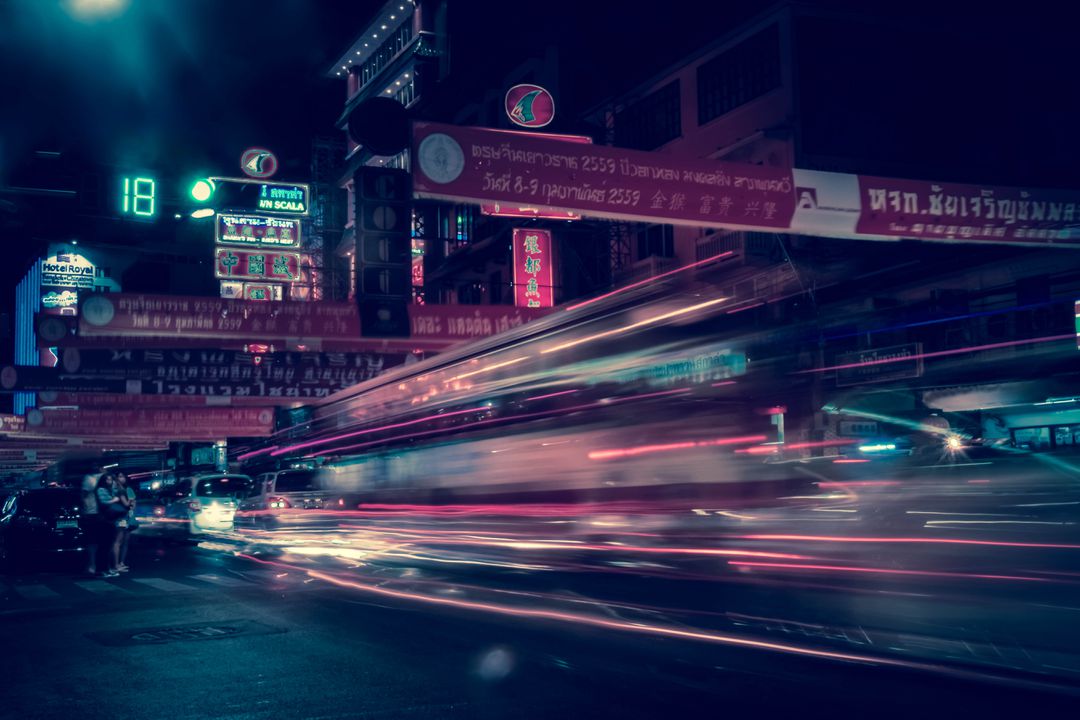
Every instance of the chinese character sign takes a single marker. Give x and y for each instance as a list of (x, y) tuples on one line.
[(258, 265), (533, 276)]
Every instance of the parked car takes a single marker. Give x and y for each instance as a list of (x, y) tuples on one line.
[(283, 496), (194, 506), (41, 522)]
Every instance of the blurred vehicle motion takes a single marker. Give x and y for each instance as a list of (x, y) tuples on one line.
[(193, 506), (274, 494), (39, 523)]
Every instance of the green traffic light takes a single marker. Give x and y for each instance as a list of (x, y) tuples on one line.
[(202, 190)]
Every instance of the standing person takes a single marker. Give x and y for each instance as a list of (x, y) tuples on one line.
[(112, 512), (127, 495), (92, 521)]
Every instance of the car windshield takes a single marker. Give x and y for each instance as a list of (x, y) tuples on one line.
[(50, 502), (296, 481), (228, 486)]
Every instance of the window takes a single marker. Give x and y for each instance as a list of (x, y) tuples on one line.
[(651, 121), (738, 75), (297, 481), (658, 240), (231, 486)]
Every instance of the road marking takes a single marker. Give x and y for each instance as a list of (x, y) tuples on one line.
[(221, 580), (35, 592), (163, 584), (101, 587)]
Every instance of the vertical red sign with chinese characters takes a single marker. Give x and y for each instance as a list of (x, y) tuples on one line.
[(532, 268)]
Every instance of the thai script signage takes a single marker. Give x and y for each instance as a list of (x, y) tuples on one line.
[(479, 165), (257, 230)]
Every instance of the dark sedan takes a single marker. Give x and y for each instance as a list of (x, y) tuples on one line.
[(41, 522)]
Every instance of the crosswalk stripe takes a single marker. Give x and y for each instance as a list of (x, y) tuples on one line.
[(221, 580), (163, 584), (101, 587), (35, 592)]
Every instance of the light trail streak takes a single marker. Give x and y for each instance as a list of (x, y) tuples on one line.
[(368, 431), (942, 541), (883, 571), (648, 280), (648, 449), (489, 368), (635, 325), (256, 453), (644, 628), (940, 353), (549, 395)]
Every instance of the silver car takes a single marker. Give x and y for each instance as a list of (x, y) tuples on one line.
[(201, 504)]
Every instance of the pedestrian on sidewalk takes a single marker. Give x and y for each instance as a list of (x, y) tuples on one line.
[(127, 496), (91, 520), (113, 512)]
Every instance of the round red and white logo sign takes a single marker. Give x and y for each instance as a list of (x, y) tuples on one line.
[(258, 163), (530, 106)]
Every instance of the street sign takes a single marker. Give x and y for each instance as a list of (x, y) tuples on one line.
[(257, 230), (258, 162), (274, 198), (529, 106)]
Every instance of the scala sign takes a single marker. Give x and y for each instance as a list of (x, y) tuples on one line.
[(530, 106), (67, 270), (241, 194), (284, 198), (257, 230)]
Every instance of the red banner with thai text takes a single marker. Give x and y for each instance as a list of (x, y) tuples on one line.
[(172, 424), (174, 316), (471, 164)]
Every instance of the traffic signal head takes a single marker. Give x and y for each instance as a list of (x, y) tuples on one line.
[(202, 190)]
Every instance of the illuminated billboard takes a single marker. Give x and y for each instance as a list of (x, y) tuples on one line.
[(257, 230)]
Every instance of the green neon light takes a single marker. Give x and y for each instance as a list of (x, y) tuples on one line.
[(144, 197), (127, 193)]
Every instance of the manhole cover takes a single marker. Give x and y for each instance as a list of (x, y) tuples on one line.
[(180, 633)]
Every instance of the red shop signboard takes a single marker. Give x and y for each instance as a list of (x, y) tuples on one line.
[(532, 268), (237, 264)]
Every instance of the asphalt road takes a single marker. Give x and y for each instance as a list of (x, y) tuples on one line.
[(460, 625)]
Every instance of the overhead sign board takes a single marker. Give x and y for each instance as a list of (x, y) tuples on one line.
[(257, 230), (533, 287), (258, 162), (235, 264), (471, 164), (245, 195), (974, 213), (70, 270), (897, 362), (529, 106), (176, 316)]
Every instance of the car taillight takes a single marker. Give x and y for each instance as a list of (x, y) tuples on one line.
[(159, 510), (341, 502), (278, 502), (194, 506)]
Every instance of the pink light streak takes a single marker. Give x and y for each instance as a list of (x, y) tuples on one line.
[(881, 571), (648, 280), (941, 353), (595, 621), (941, 541), (648, 449), (549, 395), (256, 453), (407, 423)]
